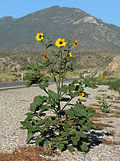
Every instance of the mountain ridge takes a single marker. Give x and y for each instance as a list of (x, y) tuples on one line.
[(91, 32)]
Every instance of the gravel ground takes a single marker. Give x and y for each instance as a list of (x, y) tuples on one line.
[(15, 103)]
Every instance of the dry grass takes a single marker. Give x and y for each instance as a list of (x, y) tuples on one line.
[(5, 77)]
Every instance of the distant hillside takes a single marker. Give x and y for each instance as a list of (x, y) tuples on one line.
[(91, 33), (15, 60)]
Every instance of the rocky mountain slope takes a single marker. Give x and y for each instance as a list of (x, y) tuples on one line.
[(91, 33), (114, 66)]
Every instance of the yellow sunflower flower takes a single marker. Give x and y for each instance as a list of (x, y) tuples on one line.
[(39, 36), (69, 54), (60, 42), (82, 94), (76, 43), (45, 57)]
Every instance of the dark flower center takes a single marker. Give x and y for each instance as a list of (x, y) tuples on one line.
[(60, 42), (40, 36)]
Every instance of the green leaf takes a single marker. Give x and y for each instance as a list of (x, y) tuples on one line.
[(30, 116), (47, 78), (57, 54), (38, 141), (82, 121), (26, 124), (81, 134), (46, 84), (89, 124), (74, 140), (74, 82), (79, 110), (61, 146), (84, 146), (66, 126), (37, 102), (71, 58), (69, 113), (54, 95), (70, 148), (42, 86), (49, 45), (64, 88), (28, 84), (90, 112), (29, 137)]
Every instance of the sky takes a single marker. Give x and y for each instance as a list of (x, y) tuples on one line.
[(106, 10)]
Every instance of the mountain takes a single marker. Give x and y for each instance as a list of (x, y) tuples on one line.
[(91, 33)]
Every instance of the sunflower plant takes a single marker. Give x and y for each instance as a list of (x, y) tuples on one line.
[(67, 126)]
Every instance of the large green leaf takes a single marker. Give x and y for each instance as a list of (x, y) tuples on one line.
[(66, 126), (64, 88), (37, 102), (29, 137), (90, 112), (38, 141), (84, 146), (61, 146), (30, 115), (75, 140), (79, 110), (69, 113), (71, 58), (70, 148), (81, 134), (55, 53), (42, 86), (54, 95), (89, 124), (82, 121), (26, 124)]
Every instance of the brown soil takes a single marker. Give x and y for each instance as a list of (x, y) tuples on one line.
[(96, 105), (109, 142), (101, 115), (115, 101), (101, 125), (115, 116), (24, 100), (25, 154), (116, 107), (92, 107)]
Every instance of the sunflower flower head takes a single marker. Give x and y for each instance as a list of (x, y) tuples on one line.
[(76, 43), (39, 36), (60, 42), (45, 57), (68, 54), (82, 94)]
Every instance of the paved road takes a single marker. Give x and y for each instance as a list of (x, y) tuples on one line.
[(18, 84), (15, 85)]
